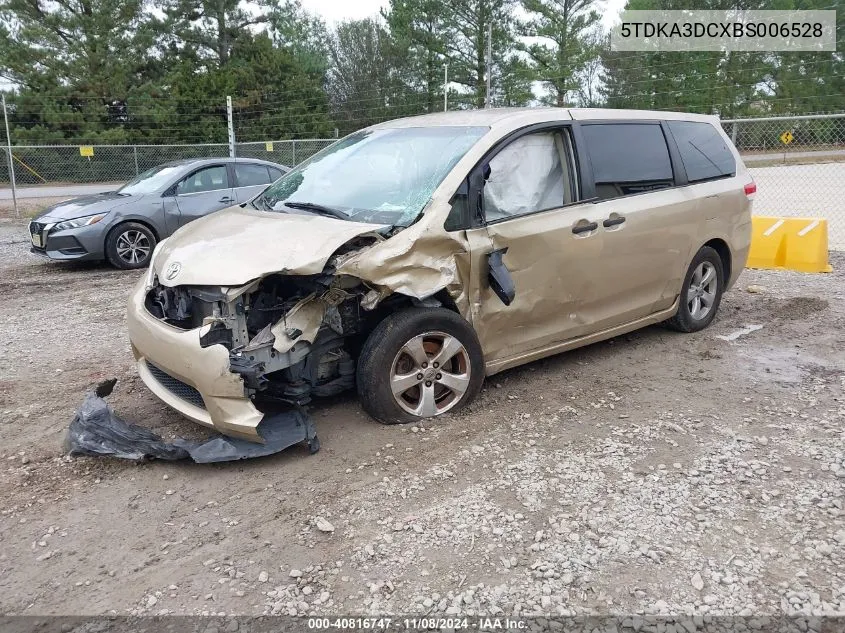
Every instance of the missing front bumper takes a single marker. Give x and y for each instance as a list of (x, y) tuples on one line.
[(96, 430)]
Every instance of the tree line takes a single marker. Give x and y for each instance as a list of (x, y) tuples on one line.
[(134, 71)]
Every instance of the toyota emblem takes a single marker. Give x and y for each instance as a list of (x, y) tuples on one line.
[(172, 271)]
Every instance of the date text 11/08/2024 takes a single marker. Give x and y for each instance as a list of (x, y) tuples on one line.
[(417, 623)]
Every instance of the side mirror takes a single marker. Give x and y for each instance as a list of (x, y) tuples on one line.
[(499, 276)]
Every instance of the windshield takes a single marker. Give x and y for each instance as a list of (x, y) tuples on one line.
[(379, 176), (150, 180)]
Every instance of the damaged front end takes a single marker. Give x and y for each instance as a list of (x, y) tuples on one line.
[(227, 331), (289, 338)]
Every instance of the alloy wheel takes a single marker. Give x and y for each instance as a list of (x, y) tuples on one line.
[(701, 294), (430, 374), (133, 246)]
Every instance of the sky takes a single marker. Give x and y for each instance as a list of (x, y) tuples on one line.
[(334, 11)]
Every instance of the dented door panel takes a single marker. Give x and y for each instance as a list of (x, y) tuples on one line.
[(552, 268)]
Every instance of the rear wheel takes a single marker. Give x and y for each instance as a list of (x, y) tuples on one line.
[(419, 363), (701, 293), (130, 245)]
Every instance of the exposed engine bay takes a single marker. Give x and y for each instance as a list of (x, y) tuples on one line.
[(289, 337)]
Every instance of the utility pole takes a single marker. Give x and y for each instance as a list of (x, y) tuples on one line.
[(445, 87), (231, 124), (11, 160), (488, 100)]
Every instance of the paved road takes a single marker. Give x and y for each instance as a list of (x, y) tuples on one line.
[(58, 191), (823, 155)]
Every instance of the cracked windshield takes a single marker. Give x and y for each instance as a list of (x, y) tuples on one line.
[(380, 176)]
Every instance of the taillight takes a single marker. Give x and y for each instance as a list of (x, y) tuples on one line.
[(750, 190)]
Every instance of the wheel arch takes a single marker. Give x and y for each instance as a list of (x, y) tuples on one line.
[(397, 302), (127, 219), (721, 247)]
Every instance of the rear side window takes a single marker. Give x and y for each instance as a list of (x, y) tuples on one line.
[(248, 175), (275, 174), (703, 151), (207, 179), (628, 158)]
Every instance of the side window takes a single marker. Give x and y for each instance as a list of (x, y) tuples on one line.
[(703, 151), (206, 179), (249, 175), (275, 174), (533, 173), (628, 158)]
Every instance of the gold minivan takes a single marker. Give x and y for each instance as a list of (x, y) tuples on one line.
[(413, 258)]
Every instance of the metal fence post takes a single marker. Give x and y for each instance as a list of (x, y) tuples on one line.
[(231, 125), (135, 151), (11, 160), (733, 133), (293, 152)]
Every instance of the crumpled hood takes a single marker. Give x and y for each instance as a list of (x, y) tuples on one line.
[(86, 205), (236, 245)]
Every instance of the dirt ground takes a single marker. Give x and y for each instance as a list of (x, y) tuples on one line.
[(653, 473)]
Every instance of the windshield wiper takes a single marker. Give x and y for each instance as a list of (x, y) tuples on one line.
[(316, 208)]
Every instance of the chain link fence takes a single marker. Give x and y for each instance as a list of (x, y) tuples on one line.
[(798, 164), (56, 165)]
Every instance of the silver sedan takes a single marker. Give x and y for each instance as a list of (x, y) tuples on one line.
[(124, 226)]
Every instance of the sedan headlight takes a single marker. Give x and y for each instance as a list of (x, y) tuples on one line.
[(88, 220)]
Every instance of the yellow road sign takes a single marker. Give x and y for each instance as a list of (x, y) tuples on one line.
[(786, 137), (86, 150), (268, 146)]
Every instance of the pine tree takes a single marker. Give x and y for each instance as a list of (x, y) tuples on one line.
[(567, 44)]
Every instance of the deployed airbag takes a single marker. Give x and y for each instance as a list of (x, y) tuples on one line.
[(525, 176)]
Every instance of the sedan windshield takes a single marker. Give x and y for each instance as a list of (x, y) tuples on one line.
[(381, 176), (151, 180)]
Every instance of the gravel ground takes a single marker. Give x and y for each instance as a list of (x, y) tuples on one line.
[(654, 473)]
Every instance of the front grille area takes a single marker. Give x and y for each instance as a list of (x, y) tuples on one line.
[(176, 386), (37, 229)]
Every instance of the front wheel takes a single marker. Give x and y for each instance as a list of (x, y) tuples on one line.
[(419, 363), (701, 293), (130, 245)]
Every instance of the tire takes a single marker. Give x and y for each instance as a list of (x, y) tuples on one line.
[(119, 246), (691, 316), (395, 351)]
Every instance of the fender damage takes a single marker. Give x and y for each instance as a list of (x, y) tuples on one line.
[(293, 327)]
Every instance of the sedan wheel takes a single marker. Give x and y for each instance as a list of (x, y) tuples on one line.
[(430, 374), (130, 245), (133, 247)]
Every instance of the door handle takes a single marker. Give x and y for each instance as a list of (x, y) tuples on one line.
[(585, 228), (226, 199), (613, 221)]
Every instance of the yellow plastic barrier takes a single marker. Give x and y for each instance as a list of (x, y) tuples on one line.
[(791, 243)]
